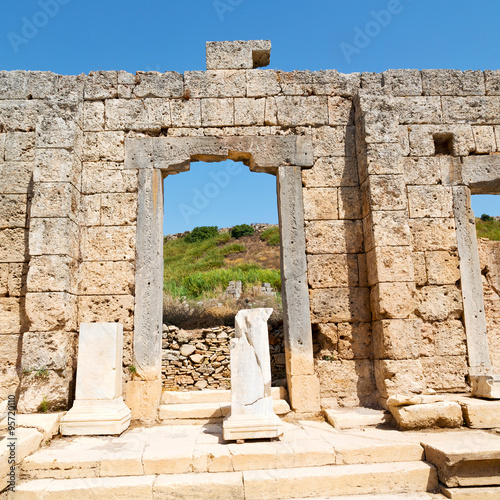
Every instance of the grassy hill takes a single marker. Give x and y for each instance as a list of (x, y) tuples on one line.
[(488, 227)]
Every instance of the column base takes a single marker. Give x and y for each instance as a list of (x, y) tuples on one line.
[(485, 386), (96, 417), (252, 427)]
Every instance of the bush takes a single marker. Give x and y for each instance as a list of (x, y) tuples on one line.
[(201, 233), (242, 230), (486, 217), (271, 235)]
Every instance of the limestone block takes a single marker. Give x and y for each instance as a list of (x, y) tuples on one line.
[(9, 381), (480, 414), (392, 300), (327, 336), (430, 201), (104, 146), (336, 236), (304, 391), (350, 203), (19, 115), (49, 311), (403, 82), (428, 415), (249, 111), (414, 110), (387, 192), (389, 264), (47, 350), (217, 112), (485, 139), (58, 165), (331, 172), (186, 113), (271, 112), (471, 109), (333, 141), (445, 373), (101, 308), (93, 116), (19, 146), (143, 398), (10, 349), (101, 85), (422, 138), (13, 210), (443, 338), (13, 245), (11, 315), (422, 170), (2, 146), (55, 131), (109, 243), (443, 268), (16, 280), (55, 199), (438, 303), (333, 305), (320, 203), (4, 279), (419, 268), (296, 110), (354, 340), (452, 82), (158, 113), (296, 82), (397, 339), (239, 54), (222, 83), (118, 209), (154, 84), (399, 376), (379, 159), (54, 236), (52, 273), (130, 114), (351, 382), (108, 178), (90, 214), (387, 228), (107, 278), (262, 83), (332, 271), (492, 82), (13, 84), (331, 82), (433, 234)]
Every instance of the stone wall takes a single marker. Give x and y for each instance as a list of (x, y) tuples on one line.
[(384, 159)]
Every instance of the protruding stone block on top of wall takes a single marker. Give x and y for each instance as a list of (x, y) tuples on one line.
[(98, 406), (238, 54), (252, 415)]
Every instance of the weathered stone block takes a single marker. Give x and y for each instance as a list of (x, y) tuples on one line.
[(397, 339), (154, 84), (217, 112), (58, 165), (239, 54), (271, 112), (354, 341), (104, 146), (331, 172), (452, 82), (13, 210), (414, 110), (55, 131), (4, 279), (419, 268), (471, 109), (342, 236), (91, 210), (52, 236), (262, 83), (10, 349), (399, 376), (340, 111), (485, 139), (49, 350), (387, 228), (13, 84), (430, 201), (107, 278), (447, 414), (443, 338), (392, 300), (334, 305), (19, 115), (107, 308), (333, 141), (186, 113), (320, 203), (118, 209), (9, 382), (2, 146), (403, 82), (387, 192), (327, 337), (443, 268), (492, 82), (16, 284), (13, 245), (379, 159), (19, 146), (11, 315), (304, 391), (350, 203), (129, 114), (422, 170), (158, 113), (333, 271), (93, 116), (101, 85), (109, 243), (296, 82), (331, 82), (52, 273), (422, 138), (445, 373), (222, 83), (433, 234), (249, 111), (49, 311), (438, 303), (55, 199), (108, 178), (389, 264), (295, 110)]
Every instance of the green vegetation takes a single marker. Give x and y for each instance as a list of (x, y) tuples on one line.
[(242, 230), (488, 227), (271, 235), (201, 233), (234, 248), (44, 405)]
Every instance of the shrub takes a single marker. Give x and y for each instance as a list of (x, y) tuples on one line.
[(271, 235), (201, 233), (242, 230), (486, 217)]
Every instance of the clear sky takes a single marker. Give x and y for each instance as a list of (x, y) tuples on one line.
[(78, 36)]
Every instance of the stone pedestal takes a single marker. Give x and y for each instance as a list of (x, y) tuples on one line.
[(98, 406), (252, 415), (485, 386)]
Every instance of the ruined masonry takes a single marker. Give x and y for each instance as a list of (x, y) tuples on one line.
[(381, 276)]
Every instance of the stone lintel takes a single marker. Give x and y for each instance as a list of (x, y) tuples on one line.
[(239, 54), (481, 173)]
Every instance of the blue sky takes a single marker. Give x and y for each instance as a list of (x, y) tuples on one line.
[(78, 36)]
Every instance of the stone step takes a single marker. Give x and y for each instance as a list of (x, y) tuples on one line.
[(219, 396), (351, 418), (208, 411), (477, 493), (274, 484)]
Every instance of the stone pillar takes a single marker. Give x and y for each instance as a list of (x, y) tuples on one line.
[(98, 406), (303, 384), (144, 395), (252, 415)]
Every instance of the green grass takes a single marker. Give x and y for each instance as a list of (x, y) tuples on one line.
[(271, 235), (488, 229), (234, 248)]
